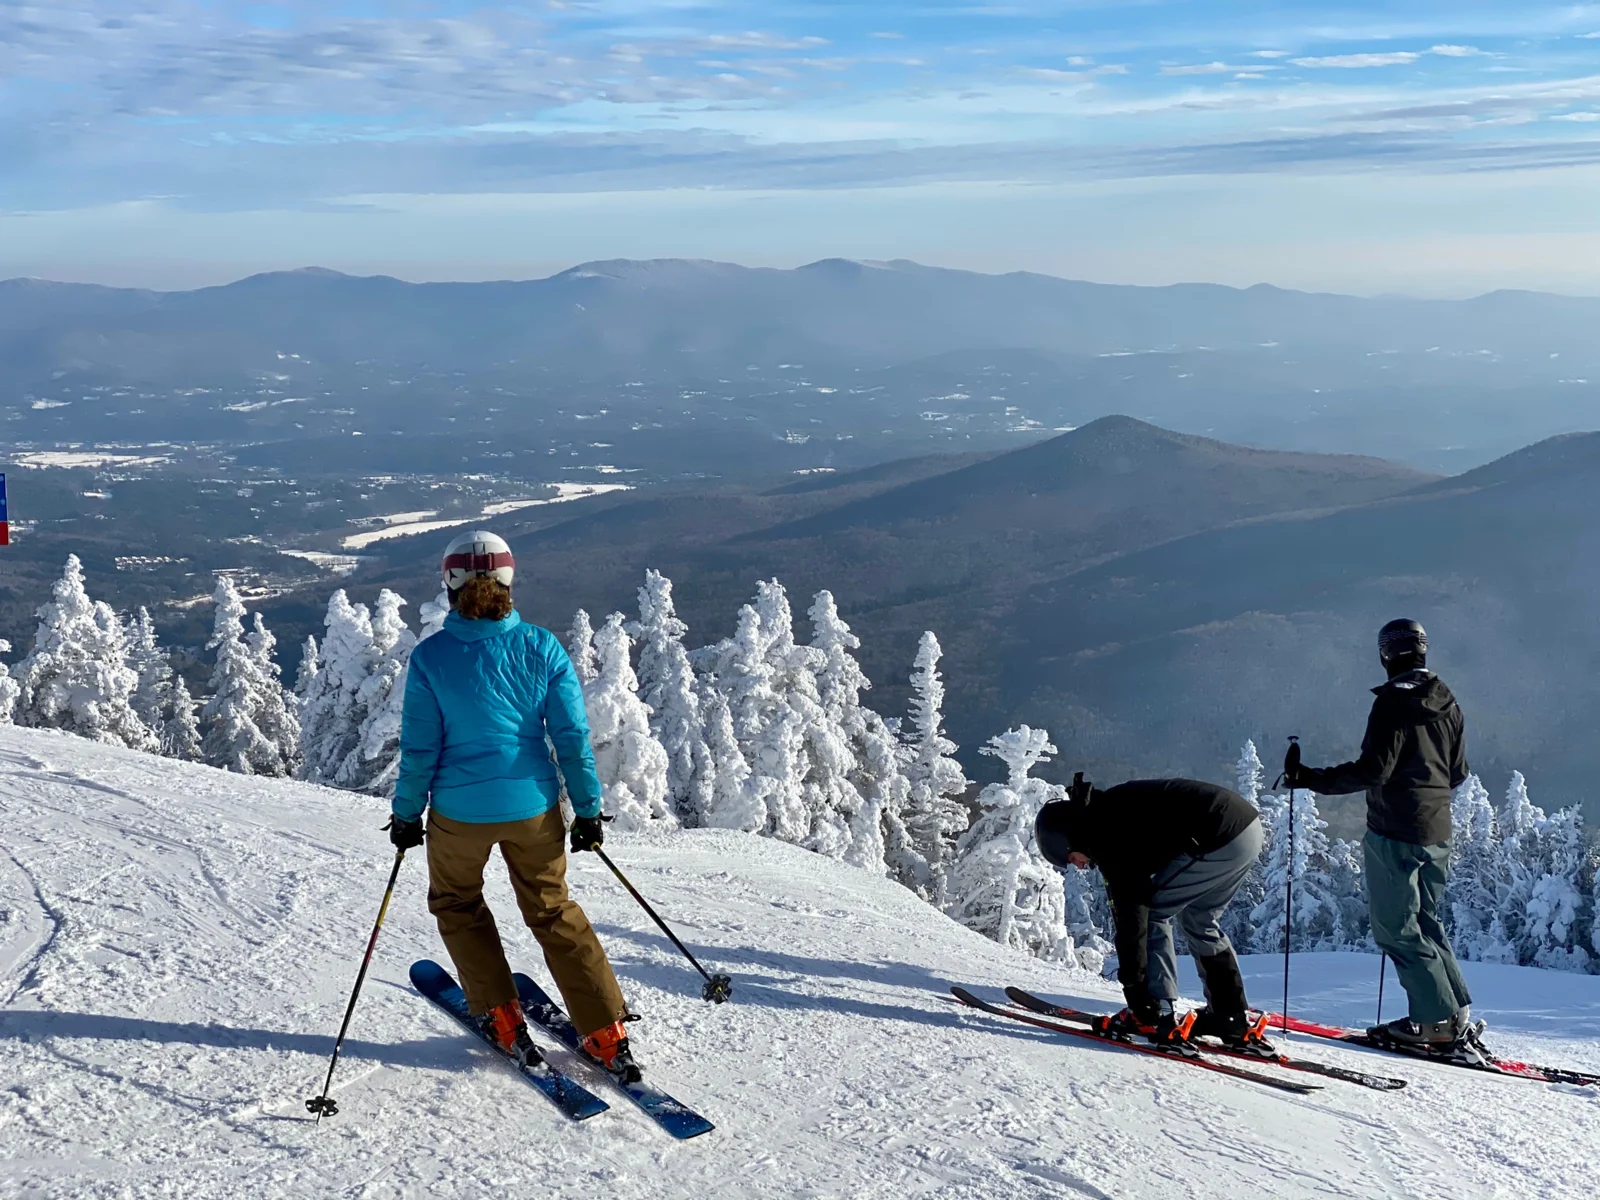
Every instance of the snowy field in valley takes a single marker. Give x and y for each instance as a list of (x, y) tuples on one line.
[(177, 945)]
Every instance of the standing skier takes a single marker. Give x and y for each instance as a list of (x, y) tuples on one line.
[(485, 699), (1168, 849), (1413, 756)]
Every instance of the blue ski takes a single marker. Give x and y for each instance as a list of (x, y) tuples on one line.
[(571, 1097), (677, 1119)]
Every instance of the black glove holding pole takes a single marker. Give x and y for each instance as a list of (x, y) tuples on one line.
[(404, 834), (1292, 771), (588, 833)]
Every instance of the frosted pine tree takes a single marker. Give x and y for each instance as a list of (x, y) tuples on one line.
[(770, 739), (1250, 774), (77, 677), (310, 667), (1318, 913), (1236, 922), (1084, 895), (245, 717), (180, 738), (580, 648), (276, 717), (331, 712), (1001, 885), (1517, 867), (935, 814), (1471, 909), (1348, 890), (1559, 910), (148, 660), (9, 688), (806, 807), (373, 763), (432, 614), (631, 763), (735, 803), (825, 689), (667, 685)]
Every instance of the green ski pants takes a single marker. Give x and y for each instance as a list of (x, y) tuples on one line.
[(1405, 888)]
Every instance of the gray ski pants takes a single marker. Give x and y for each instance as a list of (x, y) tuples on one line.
[(1195, 891), (1405, 895)]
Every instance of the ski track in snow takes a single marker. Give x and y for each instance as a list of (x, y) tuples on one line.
[(177, 946)]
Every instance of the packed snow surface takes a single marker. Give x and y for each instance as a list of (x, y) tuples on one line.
[(177, 946)]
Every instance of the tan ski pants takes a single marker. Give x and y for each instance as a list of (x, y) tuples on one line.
[(535, 856)]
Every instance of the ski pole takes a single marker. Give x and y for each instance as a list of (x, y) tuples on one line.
[(718, 987), (1383, 964), (1288, 907), (324, 1105)]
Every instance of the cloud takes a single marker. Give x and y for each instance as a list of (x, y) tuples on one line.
[(889, 34), (1393, 58), (1269, 54), (1210, 68), (1448, 51), (1577, 116)]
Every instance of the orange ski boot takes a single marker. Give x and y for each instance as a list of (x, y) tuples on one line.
[(505, 1027), (609, 1048)]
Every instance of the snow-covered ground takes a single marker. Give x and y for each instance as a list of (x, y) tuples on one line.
[(177, 944)]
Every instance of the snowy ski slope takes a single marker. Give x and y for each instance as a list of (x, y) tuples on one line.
[(176, 946)]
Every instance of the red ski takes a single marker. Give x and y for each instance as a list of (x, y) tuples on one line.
[(1205, 1064)]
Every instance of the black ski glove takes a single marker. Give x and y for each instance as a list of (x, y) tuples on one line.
[(588, 833), (1293, 772), (405, 834)]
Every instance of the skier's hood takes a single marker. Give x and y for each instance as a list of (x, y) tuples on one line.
[(1419, 692), (476, 631)]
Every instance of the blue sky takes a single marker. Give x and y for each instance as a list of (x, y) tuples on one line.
[(1430, 147)]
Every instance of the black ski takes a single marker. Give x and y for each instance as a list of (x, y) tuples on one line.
[(1381, 1083), (1205, 1064), (570, 1096), (1492, 1063), (676, 1118)]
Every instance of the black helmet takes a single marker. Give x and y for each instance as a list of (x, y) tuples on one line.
[(1052, 831), (1400, 639)]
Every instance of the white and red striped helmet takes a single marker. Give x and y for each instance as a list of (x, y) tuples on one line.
[(479, 554)]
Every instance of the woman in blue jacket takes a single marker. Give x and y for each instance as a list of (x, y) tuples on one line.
[(485, 699)]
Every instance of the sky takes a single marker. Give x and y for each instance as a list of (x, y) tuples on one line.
[(1433, 147)]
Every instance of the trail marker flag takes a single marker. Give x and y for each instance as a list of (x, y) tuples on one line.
[(5, 525)]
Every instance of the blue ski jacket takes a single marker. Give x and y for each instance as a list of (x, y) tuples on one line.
[(481, 698)]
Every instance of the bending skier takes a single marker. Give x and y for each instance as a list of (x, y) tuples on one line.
[(1413, 756), (482, 698), (1169, 849)]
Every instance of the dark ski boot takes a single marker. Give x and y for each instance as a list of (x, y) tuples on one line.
[(608, 1048), (1237, 1031), (1454, 1039)]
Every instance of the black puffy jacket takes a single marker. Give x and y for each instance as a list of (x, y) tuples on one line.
[(1413, 756)]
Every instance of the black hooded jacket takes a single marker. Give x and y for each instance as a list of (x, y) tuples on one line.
[(1131, 832), (1413, 756)]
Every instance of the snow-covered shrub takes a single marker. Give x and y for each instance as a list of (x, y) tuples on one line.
[(373, 763), (631, 763), (1558, 907), (305, 678), (77, 677), (1001, 885), (580, 648), (1250, 773), (935, 815), (667, 685), (9, 688), (149, 661), (1471, 908), (180, 737)]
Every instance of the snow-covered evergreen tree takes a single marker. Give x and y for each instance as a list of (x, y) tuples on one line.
[(806, 809), (9, 688), (249, 728), (149, 661), (667, 685), (825, 685), (935, 815), (77, 677), (1471, 907), (1088, 916), (1559, 910), (432, 614), (180, 738), (770, 739), (1250, 773), (331, 712), (1517, 868), (631, 763), (1318, 913), (735, 803), (1001, 885), (580, 648), (1346, 864), (305, 678), (373, 763)]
